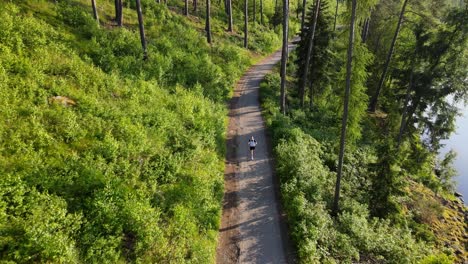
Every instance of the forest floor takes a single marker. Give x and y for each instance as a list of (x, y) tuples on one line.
[(252, 229)]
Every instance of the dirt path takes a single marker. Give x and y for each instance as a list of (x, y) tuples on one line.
[(252, 229)]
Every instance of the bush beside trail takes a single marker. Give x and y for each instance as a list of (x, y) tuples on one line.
[(104, 157), (305, 168)]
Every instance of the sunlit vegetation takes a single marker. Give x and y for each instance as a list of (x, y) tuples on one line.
[(106, 157), (395, 202)]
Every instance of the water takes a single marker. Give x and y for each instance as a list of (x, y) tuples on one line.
[(459, 143)]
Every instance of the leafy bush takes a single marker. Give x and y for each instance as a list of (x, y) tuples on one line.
[(99, 162), (306, 171)]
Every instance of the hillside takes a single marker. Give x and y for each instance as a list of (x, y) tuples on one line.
[(357, 142), (106, 157), (112, 147), (428, 227)]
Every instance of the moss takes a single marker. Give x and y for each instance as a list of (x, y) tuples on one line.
[(444, 218)]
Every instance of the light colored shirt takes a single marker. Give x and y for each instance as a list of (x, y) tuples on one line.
[(252, 143)]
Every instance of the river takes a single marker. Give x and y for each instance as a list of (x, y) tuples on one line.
[(459, 142)]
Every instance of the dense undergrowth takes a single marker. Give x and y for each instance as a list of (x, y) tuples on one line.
[(306, 165), (104, 157)]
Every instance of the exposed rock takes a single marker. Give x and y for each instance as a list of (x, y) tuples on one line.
[(63, 100)]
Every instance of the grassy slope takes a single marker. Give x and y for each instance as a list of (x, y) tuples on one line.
[(105, 157)]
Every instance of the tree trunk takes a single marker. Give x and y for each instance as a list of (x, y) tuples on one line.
[(375, 97), (208, 24), (195, 5), (116, 4), (276, 5), (95, 13), (336, 14), (344, 121), (311, 90), (261, 12), (284, 56), (186, 8), (142, 29), (304, 2), (119, 12), (230, 28), (297, 9), (246, 22), (309, 53), (365, 30)]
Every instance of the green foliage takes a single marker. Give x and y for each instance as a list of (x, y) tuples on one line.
[(104, 157), (437, 259), (358, 97), (446, 172), (35, 226), (381, 220), (305, 169), (321, 74)]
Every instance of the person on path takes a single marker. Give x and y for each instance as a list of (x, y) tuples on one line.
[(252, 144)]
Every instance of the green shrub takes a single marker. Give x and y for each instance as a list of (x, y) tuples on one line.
[(98, 162), (306, 168), (437, 259)]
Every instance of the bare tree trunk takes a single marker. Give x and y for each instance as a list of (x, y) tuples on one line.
[(208, 24), (365, 30), (304, 3), (116, 4), (246, 22), (95, 13), (336, 14), (344, 121), (311, 90), (186, 8), (261, 12), (195, 5), (142, 29), (276, 5), (297, 9), (230, 29), (309, 53), (375, 97), (284, 56), (119, 12)]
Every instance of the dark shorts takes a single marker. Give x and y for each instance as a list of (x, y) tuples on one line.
[(252, 148)]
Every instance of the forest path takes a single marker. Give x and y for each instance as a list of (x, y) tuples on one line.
[(252, 229)]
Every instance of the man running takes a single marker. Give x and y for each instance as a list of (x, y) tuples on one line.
[(252, 144)]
